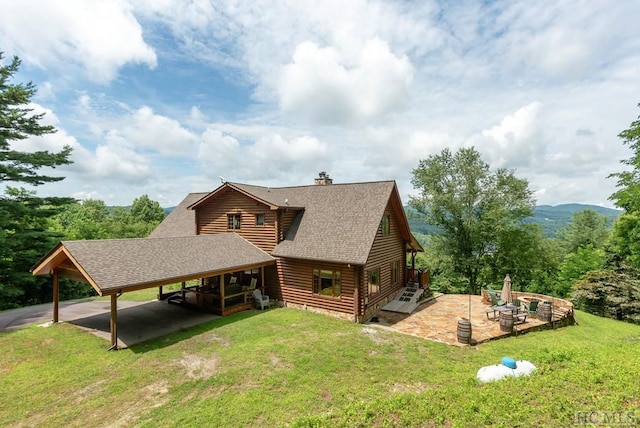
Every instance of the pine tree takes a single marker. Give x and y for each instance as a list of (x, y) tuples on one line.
[(24, 236)]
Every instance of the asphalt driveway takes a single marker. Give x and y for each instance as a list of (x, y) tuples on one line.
[(137, 321)]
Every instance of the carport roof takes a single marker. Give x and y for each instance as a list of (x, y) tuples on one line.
[(117, 265)]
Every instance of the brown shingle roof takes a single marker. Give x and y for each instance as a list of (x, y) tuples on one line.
[(121, 264), (339, 221), (181, 221)]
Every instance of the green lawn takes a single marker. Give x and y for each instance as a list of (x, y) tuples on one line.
[(292, 368)]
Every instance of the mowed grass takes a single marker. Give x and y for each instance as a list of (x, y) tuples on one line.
[(146, 294), (285, 367)]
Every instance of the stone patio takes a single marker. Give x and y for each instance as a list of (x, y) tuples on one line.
[(437, 320)]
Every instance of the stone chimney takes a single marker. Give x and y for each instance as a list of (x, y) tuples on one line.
[(323, 179)]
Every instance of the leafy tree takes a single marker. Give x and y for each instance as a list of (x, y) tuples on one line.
[(587, 227), (24, 235), (575, 265), (471, 205), (83, 220), (519, 252), (545, 270), (145, 210), (146, 214), (612, 294), (92, 219), (625, 240), (626, 229), (627, 196)]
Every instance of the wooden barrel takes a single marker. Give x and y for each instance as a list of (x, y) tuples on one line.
[(464, 331), (544, 311), (506, 321)]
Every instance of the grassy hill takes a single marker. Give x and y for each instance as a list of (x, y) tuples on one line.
[(286, 367), (550, 218)]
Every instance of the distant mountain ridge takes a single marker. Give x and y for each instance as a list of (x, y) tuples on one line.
[(550, 217)]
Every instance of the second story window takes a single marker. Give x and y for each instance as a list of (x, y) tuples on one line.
[(384, 225), (259, 219), (233, 221)]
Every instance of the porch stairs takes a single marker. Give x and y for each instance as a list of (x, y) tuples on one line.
[(406, 301)]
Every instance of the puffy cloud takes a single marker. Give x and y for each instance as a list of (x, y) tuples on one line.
[(324, 86), (296, 152), (148, 130), (116, 159), (266, 158), (517, 140), (100, 35), (218, 151)]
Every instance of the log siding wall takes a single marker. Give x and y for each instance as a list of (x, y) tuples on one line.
[(295, 277), (212, 218), (385, 250)]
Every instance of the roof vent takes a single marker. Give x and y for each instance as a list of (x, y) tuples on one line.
[(323, 179)]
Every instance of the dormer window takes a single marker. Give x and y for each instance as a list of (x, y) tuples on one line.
[(259, 219), (233, 221)]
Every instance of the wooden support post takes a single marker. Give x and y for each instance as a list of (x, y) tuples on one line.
[(160, 293), (114, 322), (56, 296), (262, 278), (356, 294), (184, 284), (222, 284)]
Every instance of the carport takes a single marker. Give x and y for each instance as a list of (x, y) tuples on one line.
[(116, 266)]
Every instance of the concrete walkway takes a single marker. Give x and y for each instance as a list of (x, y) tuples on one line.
[(137, 321)]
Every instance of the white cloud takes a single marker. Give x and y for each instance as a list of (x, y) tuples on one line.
[(218, 152), (100, 36), (518, 139), (322, 85), (267, 158), (145, 129), (116, 159)]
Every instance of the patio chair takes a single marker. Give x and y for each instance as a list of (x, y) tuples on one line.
[(532, 307), (254, 282), (518, 303), (495, 300), (260, 299)]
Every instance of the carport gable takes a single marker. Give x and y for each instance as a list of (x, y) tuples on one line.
[(113, 266)]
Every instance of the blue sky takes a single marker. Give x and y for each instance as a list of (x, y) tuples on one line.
[(161, 97)]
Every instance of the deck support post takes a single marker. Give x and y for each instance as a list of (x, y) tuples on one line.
[(222, 285), (56, 296), (114, 322)]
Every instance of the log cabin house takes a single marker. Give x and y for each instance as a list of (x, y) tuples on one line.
[(338, 249)]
